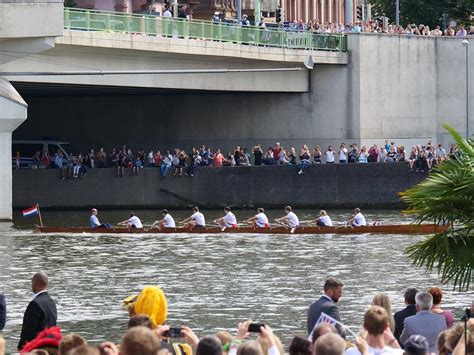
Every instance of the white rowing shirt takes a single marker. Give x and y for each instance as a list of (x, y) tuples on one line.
[(135, 221), (293, 220), (326, 220), (262, 220), (230, 220), (359, 220), (168, 221), (198, 217)]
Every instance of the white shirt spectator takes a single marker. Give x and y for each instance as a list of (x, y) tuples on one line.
[(343, 154), (230, 220), (330, 155), (167, 13), (440, 153), (168, 221), (198, 217), (293, 220), (372, 351)]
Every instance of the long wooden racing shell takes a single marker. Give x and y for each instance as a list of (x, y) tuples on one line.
[(378, 229)]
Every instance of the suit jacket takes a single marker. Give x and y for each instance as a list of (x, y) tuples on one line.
[(3, 311), (40, 314), (424, 323), (400, 316), (323, 305)]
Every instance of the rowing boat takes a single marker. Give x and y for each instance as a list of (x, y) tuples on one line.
[(377, 229)]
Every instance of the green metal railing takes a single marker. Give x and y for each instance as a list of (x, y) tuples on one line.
[(94, 20)]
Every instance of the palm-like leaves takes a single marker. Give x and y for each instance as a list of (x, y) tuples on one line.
[(447, 197)]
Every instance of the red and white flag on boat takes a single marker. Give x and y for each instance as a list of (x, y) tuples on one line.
[(32, 211)]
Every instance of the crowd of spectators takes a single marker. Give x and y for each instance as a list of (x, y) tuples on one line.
[(421, 158), (422, 327), (379, 27), (369, 26)]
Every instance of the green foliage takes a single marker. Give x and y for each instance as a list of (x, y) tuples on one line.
[(427, 12), (447, 197)]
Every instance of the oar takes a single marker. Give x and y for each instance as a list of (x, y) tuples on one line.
[(282, 224), (153, 226)]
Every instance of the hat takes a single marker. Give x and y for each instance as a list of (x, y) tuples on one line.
[(416, 344), (150, 301), (216, 13), (164, 211), (49, 337), (94, 210)]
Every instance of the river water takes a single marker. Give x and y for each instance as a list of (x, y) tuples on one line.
[(211, 281)]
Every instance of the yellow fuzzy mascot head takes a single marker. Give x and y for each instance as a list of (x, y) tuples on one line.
[(152, 302)]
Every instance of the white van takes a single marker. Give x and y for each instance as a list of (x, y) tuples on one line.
[(26, 149)]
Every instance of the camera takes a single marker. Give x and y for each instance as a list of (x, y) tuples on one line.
[(255, 327), (467, 314), (173, 333)]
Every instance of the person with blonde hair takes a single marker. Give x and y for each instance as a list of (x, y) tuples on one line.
[(226, 339), (323, 220), (379, 338), (382, 300)]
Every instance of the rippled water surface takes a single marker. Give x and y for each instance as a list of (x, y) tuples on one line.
[(211, 281)]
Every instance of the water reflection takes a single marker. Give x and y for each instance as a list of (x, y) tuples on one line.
[(211, 281)]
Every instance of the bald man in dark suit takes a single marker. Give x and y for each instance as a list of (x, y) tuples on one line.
[(41, 312)]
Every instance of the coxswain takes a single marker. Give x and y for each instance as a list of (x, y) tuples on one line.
[(228, 220), (94, 221), (290, 220), (323, 220), (166, 222), (132, 222), (260, 220), (358, 220), (196, 220)]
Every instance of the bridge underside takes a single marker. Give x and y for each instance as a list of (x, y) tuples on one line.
[(110, 116), (92, 51)]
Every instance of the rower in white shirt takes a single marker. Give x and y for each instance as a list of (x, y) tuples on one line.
[(260, 220), (166, 222), (323, 220), (132, 222), (290, 220), (228, 220), (196, 220), (358, 219)]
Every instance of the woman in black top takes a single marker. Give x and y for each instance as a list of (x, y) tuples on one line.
[(257, 154), (317, 155)]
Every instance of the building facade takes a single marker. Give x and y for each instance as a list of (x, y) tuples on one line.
[(321, 11)]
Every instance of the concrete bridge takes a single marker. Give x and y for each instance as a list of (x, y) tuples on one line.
[(382, 87)]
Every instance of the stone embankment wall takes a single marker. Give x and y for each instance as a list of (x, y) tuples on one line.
[(322, 186)]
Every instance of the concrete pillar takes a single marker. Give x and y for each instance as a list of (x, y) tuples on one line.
[(13, 110), (330, 11), (348, 12), (323, 12), (306, 11)]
